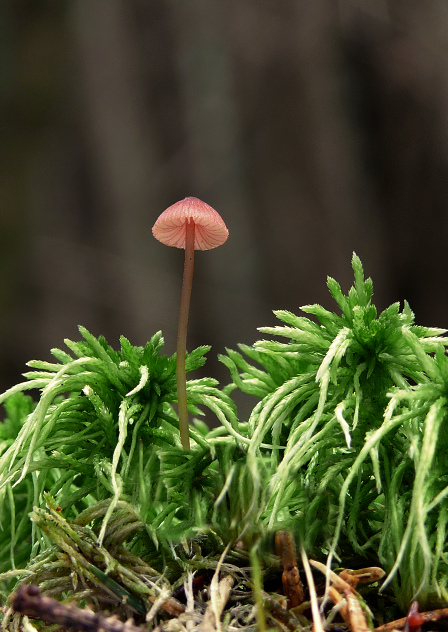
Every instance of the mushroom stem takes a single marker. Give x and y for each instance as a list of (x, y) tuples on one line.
[(182, 335)]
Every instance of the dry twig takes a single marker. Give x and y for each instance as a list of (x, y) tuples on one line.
[(427, 617), (292, 584), (29, 601)]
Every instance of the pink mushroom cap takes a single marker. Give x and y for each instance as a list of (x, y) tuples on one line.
[(171, 226)]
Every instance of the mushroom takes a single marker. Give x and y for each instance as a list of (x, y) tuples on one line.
[(193, 225)]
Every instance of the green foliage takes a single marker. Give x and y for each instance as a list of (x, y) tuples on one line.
[(345, 406), (346, 447), (413, 541), (104, 428)]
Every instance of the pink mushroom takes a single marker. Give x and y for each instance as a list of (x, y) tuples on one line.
[(193, 225)]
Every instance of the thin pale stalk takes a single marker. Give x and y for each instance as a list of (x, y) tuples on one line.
[(182, 336)]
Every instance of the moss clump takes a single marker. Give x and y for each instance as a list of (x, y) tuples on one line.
[(346, 448)]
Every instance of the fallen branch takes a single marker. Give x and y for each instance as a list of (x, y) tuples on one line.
[(29, 601)]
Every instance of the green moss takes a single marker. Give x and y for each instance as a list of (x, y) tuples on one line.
[(346, 446)]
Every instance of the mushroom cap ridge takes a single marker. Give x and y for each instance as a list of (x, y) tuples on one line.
[(210, 230)]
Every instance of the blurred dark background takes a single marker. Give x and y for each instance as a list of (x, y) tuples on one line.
[(315, 128)]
